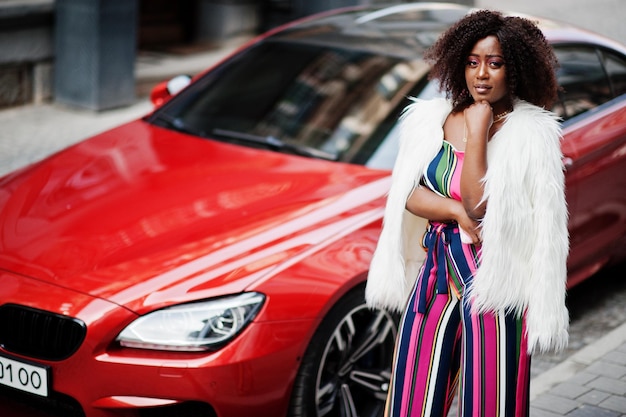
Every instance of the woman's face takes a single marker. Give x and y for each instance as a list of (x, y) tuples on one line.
[(485, 74)]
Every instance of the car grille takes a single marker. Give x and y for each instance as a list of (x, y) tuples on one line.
[(39, 334)]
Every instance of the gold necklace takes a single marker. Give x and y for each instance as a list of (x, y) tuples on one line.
[(496, 119), (500, 116)]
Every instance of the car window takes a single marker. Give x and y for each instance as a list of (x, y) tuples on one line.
[(583, 80), (339, 101), (385, 155), (616, 69)]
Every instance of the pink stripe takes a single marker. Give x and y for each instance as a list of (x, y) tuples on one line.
[(523, 377), (469, 256), (414, 392), (455, 182), (421, 378), (425, 378), (491, 377), (410, 368), (476, 366)]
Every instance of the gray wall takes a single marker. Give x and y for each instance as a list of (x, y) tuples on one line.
[(26, 51)]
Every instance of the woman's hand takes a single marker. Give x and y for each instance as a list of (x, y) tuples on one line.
[(478, 120), (470, 226)]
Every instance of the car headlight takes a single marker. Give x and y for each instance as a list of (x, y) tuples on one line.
[(200, 326)]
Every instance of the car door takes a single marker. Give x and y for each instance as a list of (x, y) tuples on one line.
[(593, 105)]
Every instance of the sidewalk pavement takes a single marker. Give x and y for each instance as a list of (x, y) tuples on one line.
[(588, 383)]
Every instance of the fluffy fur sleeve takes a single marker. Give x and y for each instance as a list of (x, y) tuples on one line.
[(524, 231), (397, 257)]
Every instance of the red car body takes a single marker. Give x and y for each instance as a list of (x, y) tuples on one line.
[(595, 155), (141, 217), (119, 229)]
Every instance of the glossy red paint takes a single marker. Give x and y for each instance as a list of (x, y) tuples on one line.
[(91, 215), (236, 380), (225, 219), (595, 175)]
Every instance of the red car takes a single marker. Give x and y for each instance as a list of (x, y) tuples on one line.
[(209, 259)]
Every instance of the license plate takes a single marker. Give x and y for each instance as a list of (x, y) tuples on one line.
[(23, 376)]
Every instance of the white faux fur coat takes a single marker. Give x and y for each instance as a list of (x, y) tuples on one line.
[(524, 230)]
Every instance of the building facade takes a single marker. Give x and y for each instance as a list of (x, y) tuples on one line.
[(82, 52)]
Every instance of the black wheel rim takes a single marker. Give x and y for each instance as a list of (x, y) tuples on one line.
[(355, 368)]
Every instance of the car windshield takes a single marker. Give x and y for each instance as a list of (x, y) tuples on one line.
[(316, 100)]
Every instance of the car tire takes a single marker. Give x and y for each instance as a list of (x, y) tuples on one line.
[(347, 365)]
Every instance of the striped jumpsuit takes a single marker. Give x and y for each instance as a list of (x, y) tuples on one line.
[(441, 344)]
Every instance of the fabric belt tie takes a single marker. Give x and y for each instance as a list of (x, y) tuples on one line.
[(437, 238)]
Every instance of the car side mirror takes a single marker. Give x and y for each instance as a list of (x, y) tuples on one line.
[(165, 90)]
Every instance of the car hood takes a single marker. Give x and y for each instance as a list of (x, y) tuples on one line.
[(144, 217)]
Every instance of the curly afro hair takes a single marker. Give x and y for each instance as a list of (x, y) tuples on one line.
[(530, 61)]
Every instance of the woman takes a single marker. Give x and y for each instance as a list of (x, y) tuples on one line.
[(484, 167)]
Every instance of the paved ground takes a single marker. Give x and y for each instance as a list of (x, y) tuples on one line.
[(591, 382)]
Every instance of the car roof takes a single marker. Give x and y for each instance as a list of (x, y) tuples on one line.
[(406, 30)]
